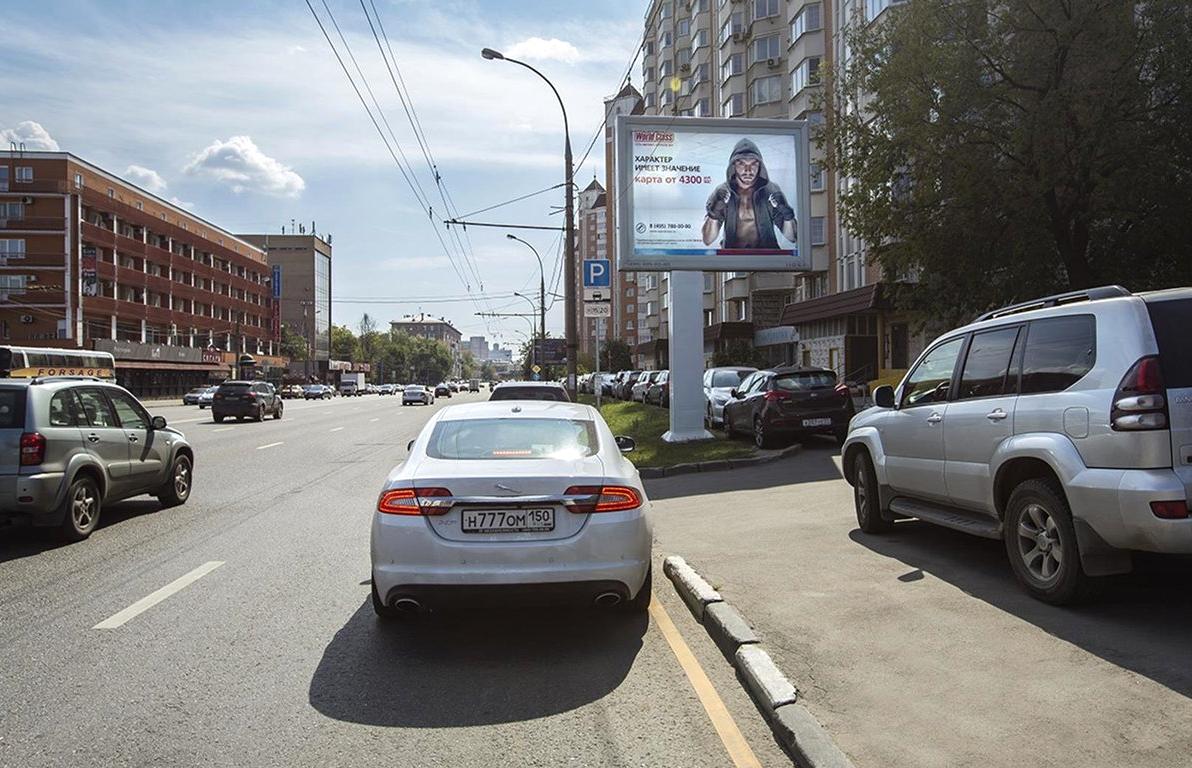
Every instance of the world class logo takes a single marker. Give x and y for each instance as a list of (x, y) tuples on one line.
[(659, 138)]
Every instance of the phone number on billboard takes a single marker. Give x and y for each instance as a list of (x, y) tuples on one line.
[(670, 226)]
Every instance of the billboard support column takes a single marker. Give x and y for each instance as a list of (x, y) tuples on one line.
[(686, 358)]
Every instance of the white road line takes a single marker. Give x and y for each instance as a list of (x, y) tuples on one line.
[(374, 419), (147, 602), (336, 429), (222, 429), (186, 421), (270, 445)]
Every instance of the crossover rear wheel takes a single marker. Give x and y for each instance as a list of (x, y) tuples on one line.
[(81, 508), (1041, 543)]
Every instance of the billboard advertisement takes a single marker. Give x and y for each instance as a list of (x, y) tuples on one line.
[(712, 194), (87, 271)]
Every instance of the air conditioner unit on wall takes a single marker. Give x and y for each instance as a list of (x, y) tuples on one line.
[(773, 62), (27, 319), (27, 200)]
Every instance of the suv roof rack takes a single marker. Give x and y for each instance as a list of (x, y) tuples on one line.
[(45, 379), (1087, 294)]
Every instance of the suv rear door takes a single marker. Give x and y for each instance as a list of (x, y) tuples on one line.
[(981, 415), (12, 424), (1171, 321)]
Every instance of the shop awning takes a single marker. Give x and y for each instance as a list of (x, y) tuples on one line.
[(146, 365), (833, 305), (730, 330)]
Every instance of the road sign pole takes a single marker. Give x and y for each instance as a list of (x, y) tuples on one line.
[(596, 373)]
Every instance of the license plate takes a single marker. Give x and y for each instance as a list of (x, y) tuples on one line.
[(817, 422), (508, 520)]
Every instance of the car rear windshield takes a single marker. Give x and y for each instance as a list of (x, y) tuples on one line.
[(555, 394), (728, 379), (1171, 320), (234, 389), (513, 439), (12, 408), (805, 380)]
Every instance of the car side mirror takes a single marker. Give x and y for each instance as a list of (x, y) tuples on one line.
[(410, 445), (735, 393), (626, 444), (883, 397)]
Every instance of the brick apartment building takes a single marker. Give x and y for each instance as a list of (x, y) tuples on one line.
[(88, 260), (437, 328)]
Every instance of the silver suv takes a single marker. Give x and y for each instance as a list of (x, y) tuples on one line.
[(69, 445), (1062, 426)]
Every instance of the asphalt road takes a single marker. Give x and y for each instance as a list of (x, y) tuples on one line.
[(270, 654)]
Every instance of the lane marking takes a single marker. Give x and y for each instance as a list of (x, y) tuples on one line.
[(152, 599), (377, 419), (730, 735), (222, 429), (336, 429), (270, 445), (186, 421)]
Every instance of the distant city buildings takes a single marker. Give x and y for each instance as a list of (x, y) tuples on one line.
[(437, 328)]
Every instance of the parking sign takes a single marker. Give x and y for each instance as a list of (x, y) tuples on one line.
[(597, 273)]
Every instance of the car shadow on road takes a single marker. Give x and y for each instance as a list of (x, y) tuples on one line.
[(815, 463), (473, 668), (20, 540), (1141, 621)]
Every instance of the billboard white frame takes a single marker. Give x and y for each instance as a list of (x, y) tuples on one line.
[(627, 257)]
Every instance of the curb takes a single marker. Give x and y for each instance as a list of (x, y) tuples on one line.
[(776, 697), (714, 465)]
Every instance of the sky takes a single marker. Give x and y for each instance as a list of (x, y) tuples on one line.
[(239, 111)]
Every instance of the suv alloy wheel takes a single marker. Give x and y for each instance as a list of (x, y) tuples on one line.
[(1041, 543), (866, 499), (81, 508)]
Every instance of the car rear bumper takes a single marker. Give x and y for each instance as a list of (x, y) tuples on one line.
[(1116, 503), (34, 498), (612, 553), (795, 423), (246, 409)]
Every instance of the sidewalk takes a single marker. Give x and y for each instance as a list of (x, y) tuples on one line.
[(917, 649)]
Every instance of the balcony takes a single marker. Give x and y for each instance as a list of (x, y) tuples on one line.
[(98, 235), (737, 287), (40, 185), (35, 223), (126, 244)]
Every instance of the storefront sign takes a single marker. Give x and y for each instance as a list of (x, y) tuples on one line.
[(212, 357), (133, 350), (87, 271), (769, 337)]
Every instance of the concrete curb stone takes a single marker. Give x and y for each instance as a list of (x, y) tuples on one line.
[(806, 740), (728, 628), (765, 457), (768, 687), (696, 592)]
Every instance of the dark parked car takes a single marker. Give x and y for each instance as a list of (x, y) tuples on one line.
[(246, 399), (788, 402), (530, 390), (658, 392), (623, 384)]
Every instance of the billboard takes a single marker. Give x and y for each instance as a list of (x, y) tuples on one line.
[(712, 194), (87, 271)]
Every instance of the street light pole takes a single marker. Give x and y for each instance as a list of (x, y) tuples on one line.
[(569, 265), (541, 289)]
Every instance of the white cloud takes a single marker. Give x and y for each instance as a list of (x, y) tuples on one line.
[(182, 203), (538, 48), (241, 165), (31, 134), (147, 178)]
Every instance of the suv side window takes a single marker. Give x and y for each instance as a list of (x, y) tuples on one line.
[(760, 381), (1059, 352), (932, 377), (96, 408), (988, 365), (744, 386), (132, 415), (64, 410)]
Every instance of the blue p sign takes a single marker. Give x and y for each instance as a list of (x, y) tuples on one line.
[(597, 273)]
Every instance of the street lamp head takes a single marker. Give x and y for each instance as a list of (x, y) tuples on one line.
[(489, 53), (509, 236)]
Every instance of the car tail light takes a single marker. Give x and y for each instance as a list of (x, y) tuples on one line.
[(843, 390), (413, 501), (777, 396), (603, 498), (1170, 510), (1139, 402), (33, 449)]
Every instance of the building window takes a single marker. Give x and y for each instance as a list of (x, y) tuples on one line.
[(11, 248), (683, 27), (764, 9), (668, 97), (665, 40), (12, 210), (649, 100), (684, 58), (734, 105), (818, 177), (701, 73), (733, 65), (701, 6), (765, 48), (734, 26), (709, 282), (703, 107), (874, 8), (13, 283), (666, 69), (818, 230), (629, 325), (140, 206), (709, 317), (24, 174), (807, 73), (649, 75), (3, 178), (767, 90), (78, 181), (649, 48), (666, 10), (111, 192), (807, 20), (699, 39)]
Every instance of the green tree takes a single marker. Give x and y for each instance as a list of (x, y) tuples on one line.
[(467, 364), (343, 343), (615, 355), (739, 352), (488, 371), (293, 344), (1003, 151)]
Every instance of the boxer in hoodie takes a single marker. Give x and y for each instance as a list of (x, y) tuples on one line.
[(748, 207)]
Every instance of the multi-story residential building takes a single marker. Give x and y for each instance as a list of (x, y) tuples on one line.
[(625, 306), (591, 233), (499, 354), (437, 328), (765, 59), (478, 347), (301, 263), (90, 260)]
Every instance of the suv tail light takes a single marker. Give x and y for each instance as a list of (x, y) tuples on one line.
[(1170, 510), (414, 501), (603, 498), (843, 390), (1139, 402), (776, 396), (33, 449)]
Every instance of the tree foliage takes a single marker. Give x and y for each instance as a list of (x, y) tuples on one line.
[(293, 344), (343, 343), (998, 152), (740, 352)]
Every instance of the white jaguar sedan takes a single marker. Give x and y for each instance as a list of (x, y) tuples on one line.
[(512, 502)]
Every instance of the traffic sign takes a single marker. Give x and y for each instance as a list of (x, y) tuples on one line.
[(536, 368), (598, 309), (598, 273), (596, 294)]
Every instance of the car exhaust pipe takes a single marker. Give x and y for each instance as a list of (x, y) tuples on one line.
[(607, 599), (407, 605)]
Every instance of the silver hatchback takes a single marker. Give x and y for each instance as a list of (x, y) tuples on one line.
[(70, 445), (1061, 426)]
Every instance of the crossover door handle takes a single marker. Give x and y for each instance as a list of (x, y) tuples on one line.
[(132, 438), (997, 415), (934, 418), (93, 438)]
